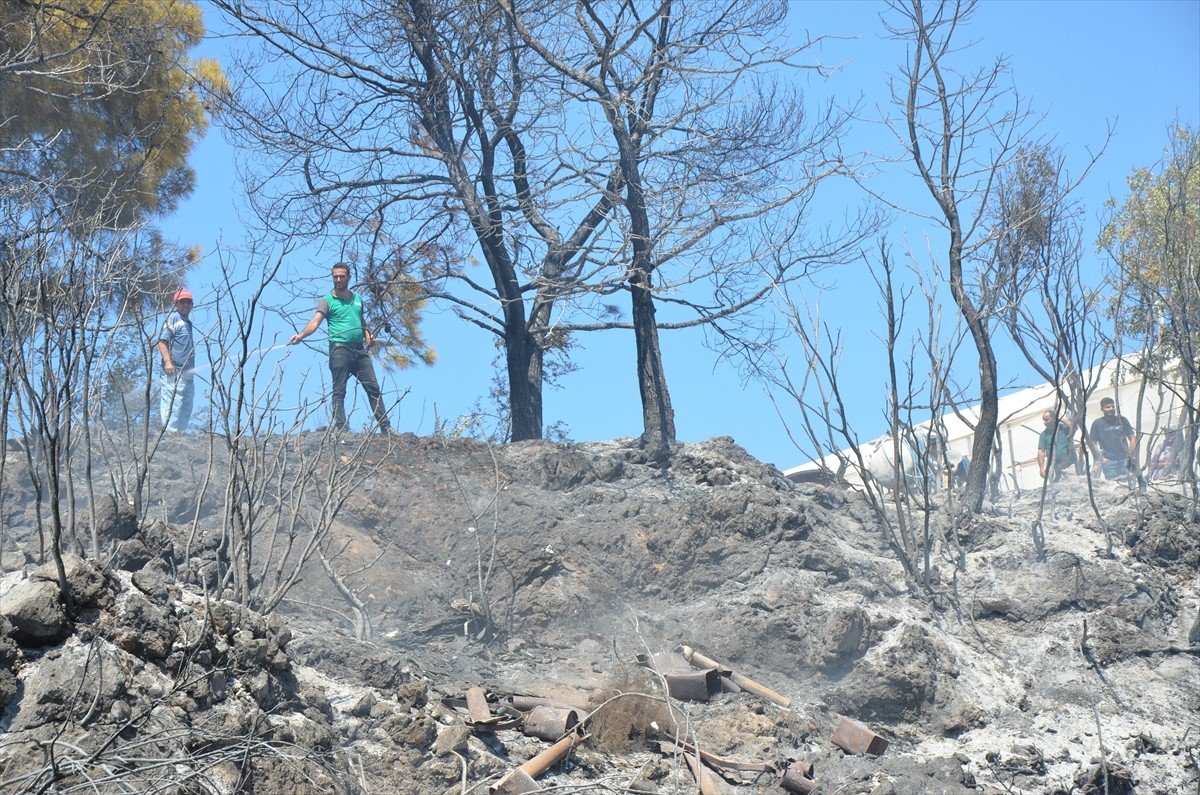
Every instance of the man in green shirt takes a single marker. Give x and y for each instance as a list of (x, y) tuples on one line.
[(349, 343)]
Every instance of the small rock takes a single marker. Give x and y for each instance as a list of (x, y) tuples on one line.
[(452, 739), (35, 610), (362, 707), (642, 784)]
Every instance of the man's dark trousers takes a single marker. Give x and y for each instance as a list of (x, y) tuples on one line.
[(345, 360)]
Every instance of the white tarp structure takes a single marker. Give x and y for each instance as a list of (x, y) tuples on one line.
[(1149, 406)]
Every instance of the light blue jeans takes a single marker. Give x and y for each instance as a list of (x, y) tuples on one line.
[(1114, 468), (175, 400)]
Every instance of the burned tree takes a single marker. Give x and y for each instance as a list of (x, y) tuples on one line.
[(578, 149), (102, 107), (959, 129), (717, 157), (422, 137)]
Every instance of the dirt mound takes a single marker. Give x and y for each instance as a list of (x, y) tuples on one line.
[(1033, 662)]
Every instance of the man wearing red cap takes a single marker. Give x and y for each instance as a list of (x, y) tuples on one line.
[(177, 387)]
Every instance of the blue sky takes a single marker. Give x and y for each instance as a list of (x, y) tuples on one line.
[(1084, 65)]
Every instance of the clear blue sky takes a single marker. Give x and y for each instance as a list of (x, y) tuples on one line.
[(1083, 64)]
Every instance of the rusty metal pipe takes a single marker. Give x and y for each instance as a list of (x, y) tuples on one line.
[(793, 782), (798, 777), (548, 758), (518, 781)]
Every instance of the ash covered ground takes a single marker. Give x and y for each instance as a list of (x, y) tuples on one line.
[(1061, 661)]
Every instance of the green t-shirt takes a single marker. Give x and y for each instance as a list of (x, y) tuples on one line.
[(344, 317), (1064, 447)]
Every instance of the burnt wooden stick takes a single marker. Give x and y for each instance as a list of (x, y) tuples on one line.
[(704, 780), (691, 655)]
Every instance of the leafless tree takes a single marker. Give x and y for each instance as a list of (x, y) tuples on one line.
[(98, 122), (1044, 302), (959, 129), (64, 309), (421, 133), (582, 149), (717, 159), (904, 476), (282, 488), (1033, 263)]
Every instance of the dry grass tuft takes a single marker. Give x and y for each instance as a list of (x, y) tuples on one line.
[(629, 715)]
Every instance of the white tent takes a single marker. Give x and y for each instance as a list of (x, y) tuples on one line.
[(1150, 407)]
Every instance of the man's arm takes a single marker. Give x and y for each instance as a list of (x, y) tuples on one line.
[(312, 326), (168, 365), (1130, 436), (1093, 441)]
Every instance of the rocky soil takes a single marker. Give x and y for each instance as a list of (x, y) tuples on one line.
[(1024, 657)]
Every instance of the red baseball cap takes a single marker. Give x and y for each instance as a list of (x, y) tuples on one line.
[(183, 295)]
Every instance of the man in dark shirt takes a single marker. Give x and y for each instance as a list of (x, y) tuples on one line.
[(1113, 441)]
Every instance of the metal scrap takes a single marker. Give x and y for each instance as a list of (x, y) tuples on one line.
[(564, 721), (798, 777), (744, 682), (550, 723), (855, 738), (477, 706), (479, 712), (526, 703), (704, 779), (683, 681), (521, 780), (680, 746)]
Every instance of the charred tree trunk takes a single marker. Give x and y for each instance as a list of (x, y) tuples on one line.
[(948, 136), (658, 418), (524, 361), (989, 406)]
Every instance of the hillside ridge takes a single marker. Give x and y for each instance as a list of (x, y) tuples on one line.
[(540, 569)]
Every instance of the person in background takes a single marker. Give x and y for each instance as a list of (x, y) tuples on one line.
[(1113, 441), (1163, 461), (349, 345), (177, 388), (1056, 449)]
